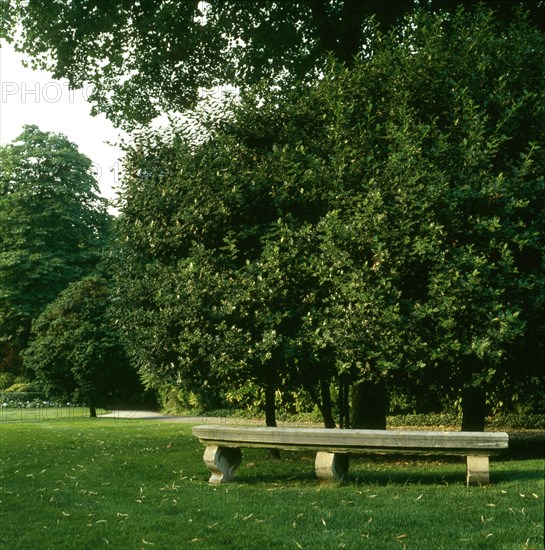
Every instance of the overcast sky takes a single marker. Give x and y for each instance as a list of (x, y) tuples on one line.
[(33, 97)]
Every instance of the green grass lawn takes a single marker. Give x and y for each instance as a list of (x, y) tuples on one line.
[(76, 483)]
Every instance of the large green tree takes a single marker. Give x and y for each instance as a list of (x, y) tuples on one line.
[(148, 57), (387, 221), (440, 147), (75, 351), (53, 227)]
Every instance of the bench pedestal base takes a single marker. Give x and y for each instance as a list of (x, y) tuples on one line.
[(331, 466), (478, 470), (222, 463)]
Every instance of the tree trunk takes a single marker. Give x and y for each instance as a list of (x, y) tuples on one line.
[(270, 412), (473, 409), (369, 405), (92, 411), (327, 410), (344, 408)]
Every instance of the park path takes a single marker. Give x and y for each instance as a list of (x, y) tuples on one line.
[(154, 415)]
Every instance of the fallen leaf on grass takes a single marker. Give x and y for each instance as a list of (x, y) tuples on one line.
[(147, 542)]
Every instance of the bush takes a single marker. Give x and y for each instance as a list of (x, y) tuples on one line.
[(517, 422), (19, 387), (6, 380), (25, 400)]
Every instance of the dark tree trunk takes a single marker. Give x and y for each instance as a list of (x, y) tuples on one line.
[(473, 410), (270, 405), (369, 405), (344, 408), (270, 410), (327, 410), (92, 411)]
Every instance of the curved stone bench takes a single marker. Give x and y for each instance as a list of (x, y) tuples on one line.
[(223, 456)]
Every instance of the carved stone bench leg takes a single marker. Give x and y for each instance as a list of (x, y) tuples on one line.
[(331, 466), (478, 470), (222, 463)]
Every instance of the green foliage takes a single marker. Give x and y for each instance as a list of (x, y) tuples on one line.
[(75, 352), (20, 387), (517, 422), (53, 227), (384, 224), (6, 380), (143, 59)]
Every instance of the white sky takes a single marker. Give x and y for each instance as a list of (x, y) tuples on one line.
[(33, 97)]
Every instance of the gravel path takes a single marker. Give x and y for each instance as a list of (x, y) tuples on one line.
[(154, 415)]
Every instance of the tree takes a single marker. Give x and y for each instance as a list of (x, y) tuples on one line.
[(149, 57), (53, 227), (449, 154), (75, 351), (383, 226)]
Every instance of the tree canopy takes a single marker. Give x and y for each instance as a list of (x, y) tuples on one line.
[(53, 227), (149, 57), (75, 351), (384, 224)]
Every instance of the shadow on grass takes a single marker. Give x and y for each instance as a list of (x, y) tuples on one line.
[(298, 468)]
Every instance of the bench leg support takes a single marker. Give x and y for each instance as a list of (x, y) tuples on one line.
[(222, 463), (478, 470), (331, 466)]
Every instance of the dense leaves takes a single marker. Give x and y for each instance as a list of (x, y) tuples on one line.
[(148, 57), (75, 351), (383, 225), (53, 226)]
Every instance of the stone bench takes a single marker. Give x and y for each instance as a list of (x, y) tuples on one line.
[(223, 456)]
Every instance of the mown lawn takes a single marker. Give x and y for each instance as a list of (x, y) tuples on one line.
[(76, 483)]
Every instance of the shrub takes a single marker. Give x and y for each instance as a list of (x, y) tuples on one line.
[(6, 380), (19, 387)]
